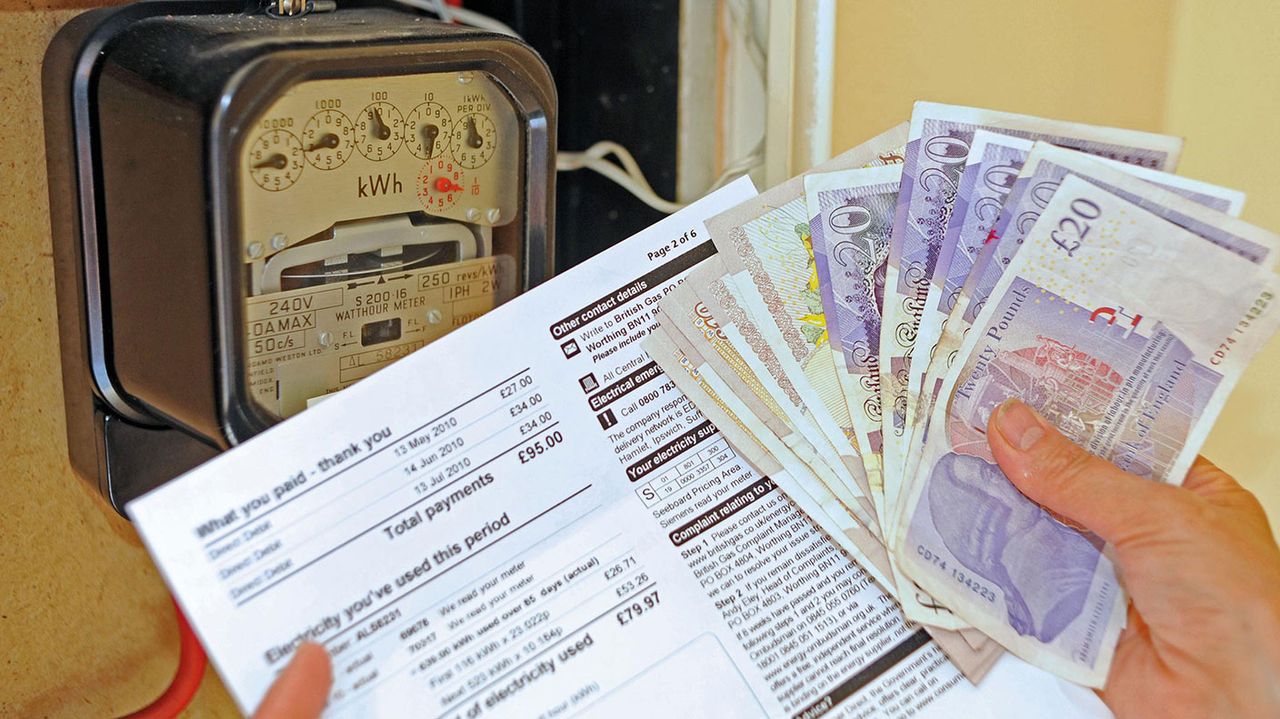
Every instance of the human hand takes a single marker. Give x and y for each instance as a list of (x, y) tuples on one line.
[(1199, 562), (302, 689)]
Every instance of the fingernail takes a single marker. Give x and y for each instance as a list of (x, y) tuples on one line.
[(1018, 424)]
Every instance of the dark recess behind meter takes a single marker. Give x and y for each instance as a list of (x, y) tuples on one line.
[(615, 67)]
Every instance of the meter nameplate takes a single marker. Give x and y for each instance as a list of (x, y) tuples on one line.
[(312, 341), (447, 144)]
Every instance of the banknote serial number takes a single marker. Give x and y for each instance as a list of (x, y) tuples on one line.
[(1250, 315), (958, 575)]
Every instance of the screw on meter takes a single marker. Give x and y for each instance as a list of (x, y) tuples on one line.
[(275, 160), (441, 183), (474, 140), (379, 131), (328, 140), (427, 130)]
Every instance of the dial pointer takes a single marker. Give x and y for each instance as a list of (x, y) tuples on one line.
[(429, 134), (326, 141), (276, 161), (380, 128)]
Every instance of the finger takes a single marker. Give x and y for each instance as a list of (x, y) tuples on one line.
[(1204, 475), (1220, 489), (302, 689), (1051, 470), (1205, 479)]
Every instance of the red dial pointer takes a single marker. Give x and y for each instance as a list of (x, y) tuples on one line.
[(444, 184)]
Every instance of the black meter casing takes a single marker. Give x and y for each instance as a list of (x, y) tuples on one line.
[(149, 109)]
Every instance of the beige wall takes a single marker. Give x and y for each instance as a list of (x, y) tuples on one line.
[(1224, 97), (1208, 70), (86, 627), (1097, 61)]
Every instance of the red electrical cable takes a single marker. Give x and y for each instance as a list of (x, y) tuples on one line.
[(191, 664)]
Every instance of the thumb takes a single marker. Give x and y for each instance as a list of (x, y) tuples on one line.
[(1064, 478)]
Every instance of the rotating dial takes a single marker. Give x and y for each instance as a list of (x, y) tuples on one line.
[(427, 130), (474, 140), (379, 131), (442, 183), (328, 140), (275, 160)]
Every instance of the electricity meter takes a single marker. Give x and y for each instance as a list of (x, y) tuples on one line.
[(252, 211)]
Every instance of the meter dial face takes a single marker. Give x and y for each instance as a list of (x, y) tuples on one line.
[(427, 130), (379, 131), (275, 160), (401, 222), (442, 183), (474, 140), (328, 140)]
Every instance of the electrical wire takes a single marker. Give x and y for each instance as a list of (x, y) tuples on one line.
[(471, 17), (186, 680), (460, 15), (742, 15), (627, 174)]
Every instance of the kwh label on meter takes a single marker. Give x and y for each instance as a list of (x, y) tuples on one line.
[(374, 185)]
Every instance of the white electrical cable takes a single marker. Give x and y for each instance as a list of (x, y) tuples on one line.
[(632, 179), (475, 19), (628, 176), (460, 15), (743, 16), (741, 167)]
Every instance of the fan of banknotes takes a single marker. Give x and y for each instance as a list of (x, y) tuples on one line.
[(860, 323)]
